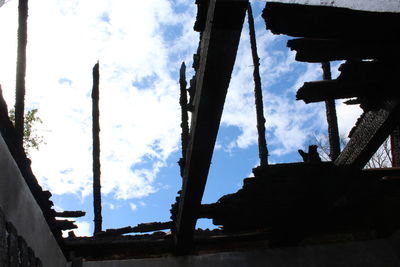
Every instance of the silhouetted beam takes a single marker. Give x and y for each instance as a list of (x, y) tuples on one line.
[(140, 228), (219, 43), (371, 130), (70, 214), (331, 22), (320, 50), (326, 90)]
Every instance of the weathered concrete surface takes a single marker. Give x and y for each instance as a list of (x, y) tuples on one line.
[(366, 253), (21, 209), (369, 5)]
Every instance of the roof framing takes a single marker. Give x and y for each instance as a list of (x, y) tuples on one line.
[(219, 44)]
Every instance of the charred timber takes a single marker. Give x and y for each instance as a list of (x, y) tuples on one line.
[(219, 43), (21, 70), (262, 143), (70, 214), (96, 151), (370, 132), (65, 224), (140, 228), (184, 116), (328, 22), (371, 79), (333, 130), (320, 50)]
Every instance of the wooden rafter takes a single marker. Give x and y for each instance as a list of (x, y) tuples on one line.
[(219, 44), (371, 130)]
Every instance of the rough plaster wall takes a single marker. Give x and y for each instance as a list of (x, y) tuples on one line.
[(371, 5), (365, 254), (21, 209)]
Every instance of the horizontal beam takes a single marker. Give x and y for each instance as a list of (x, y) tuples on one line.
[(330, 22), (219, 45), (370, 132), (321, 50)]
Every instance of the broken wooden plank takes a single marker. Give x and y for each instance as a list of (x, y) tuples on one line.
[(328, 22), (320, 50), (371, 130), (140, 228), (219, 44), (70, 214), (319, 91), (65, 224)]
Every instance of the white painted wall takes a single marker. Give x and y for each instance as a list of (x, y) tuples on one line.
[(21, 209)]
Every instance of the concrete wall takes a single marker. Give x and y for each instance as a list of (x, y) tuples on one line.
[(372, 5), (21, 209), (365, 254)]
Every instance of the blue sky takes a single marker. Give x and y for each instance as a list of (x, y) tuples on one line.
[(140, 45)]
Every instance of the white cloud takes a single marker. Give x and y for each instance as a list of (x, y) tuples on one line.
[(139, 115), (133, 206)]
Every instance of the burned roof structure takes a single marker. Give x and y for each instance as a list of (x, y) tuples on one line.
[(288, 204)]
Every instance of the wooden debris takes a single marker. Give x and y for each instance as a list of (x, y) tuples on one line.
[(21, 70), (262, 143), (184, 116), (70, 214), (96, 151), (219, 45), (333, 130), (328, 22), (65, 224), (321, 50), (371, 130), (140, 228)]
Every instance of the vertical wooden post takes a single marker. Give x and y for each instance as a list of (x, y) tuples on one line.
[(395, 147), (184, 115), (96, 151), (262, 143), (21, 69), (333, 130)]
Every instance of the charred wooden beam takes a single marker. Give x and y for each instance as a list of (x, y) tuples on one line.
[(262, 143), (65, 224), (21, 69), (70, 214), (374, 79), (333, 130), (320, 50), (140, 228), (371, 131), (96, 151), (219, 44), (319, 91), (328, 22), (184, 116)]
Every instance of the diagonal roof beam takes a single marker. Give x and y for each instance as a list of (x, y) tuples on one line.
[(219, 44)]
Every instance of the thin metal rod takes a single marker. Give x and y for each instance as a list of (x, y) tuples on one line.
[(96, 151), (333, 130), (262, 143), (21, 69)]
